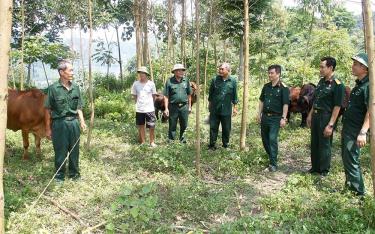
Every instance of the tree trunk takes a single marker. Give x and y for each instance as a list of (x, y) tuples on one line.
[(5, 35), (240, 67), (22, 74), (145, 32), (225, 51), (138, 32), (206, 58), (364, 26), (81, 55), (245, 76), (197, 113), (371, 56), (170, 30), (183, 33), (45, 73), (91, 97), (215, 53), (28, 80), (150, 65), (119, 52)]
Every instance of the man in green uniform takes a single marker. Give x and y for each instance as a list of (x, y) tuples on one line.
[(273, 109), (65, 106), (177, 100), (221, 97), (356, 125), (327, 102)]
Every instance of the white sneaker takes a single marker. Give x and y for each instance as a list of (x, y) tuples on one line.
[(153, 145)]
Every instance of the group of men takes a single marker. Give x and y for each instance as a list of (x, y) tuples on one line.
[(322, 118), (65, 106)]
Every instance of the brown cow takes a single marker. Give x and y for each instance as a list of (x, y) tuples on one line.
[(160, 105), (26, 112), (301, 101)]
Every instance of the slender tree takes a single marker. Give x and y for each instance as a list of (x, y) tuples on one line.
[(371, 55), (138, 32), (197, 114), (5, 34), (206, 58), (183, 32), (245, 106), (22, 70), (91, 97), (145, 32)]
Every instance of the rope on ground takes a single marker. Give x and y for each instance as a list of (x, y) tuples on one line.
[(53, 177)]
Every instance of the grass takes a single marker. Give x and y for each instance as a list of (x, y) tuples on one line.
[(134, 188)]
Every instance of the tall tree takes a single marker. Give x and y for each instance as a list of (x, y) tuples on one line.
[(145, 32), (245, 105), (197, 113), (91, 96), (22, 75), (371, 55), (138, 32), (183, 32), (207, 49), (5, 34)]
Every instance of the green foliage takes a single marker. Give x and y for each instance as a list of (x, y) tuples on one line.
[(38, 48), (134, 210)]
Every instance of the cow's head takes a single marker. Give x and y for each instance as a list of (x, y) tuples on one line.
[(306, 95)]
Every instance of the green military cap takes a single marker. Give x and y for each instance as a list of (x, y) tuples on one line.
[(362, 58)]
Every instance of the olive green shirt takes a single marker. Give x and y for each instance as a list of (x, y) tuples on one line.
[(358, 105), (222, 94), (274, 97), (328, 94), (63, 102), (177, 92)]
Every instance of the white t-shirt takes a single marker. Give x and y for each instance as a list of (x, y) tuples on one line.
[(144, 92)]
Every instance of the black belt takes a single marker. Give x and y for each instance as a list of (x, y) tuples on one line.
[(272, 114), (317, 111), (180, 104), (68, 118)]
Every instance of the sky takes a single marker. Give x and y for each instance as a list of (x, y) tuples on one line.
[(128, 47)]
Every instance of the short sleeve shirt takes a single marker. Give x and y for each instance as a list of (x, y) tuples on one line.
[(144, 92), (358, 105), (222, 94), (274, 97), (63, 102), (177, 91), (328, 94)]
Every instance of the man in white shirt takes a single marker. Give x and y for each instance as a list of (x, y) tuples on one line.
[(143, 91)]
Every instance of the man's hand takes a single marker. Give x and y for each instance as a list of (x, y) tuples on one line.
[(308, 121), (49, 133), (361, 140), (328, 130), (235, 111), (259, 118), (166, 112), (83, 126), (282, 122)]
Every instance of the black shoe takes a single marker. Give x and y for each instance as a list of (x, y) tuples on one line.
[(324, 174), (272, 168), (75, 177), (183, 141), (211, 147), (225, 146), (311, 171)]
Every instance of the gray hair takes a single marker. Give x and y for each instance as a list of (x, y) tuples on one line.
[(62, 65), (226, 65)]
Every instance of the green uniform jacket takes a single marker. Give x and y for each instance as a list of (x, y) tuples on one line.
[(358, 105), (328, 94), (177, 92), (222, 94), (63, 102), (274, 97)]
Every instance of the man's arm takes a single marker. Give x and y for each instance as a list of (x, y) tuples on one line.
[(260, 110), (166, 101), (47, 120), (189, 102), (329, 128), (361, 139), (81, 119), (285, 113)]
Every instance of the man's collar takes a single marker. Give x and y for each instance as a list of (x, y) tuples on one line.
[(363, 80)]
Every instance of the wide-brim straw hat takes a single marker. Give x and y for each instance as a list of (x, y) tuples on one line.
[(143, 70), (178, 66)]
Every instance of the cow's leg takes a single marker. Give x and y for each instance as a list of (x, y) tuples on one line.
[(25, 139), (37, 145), (303, 121)]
